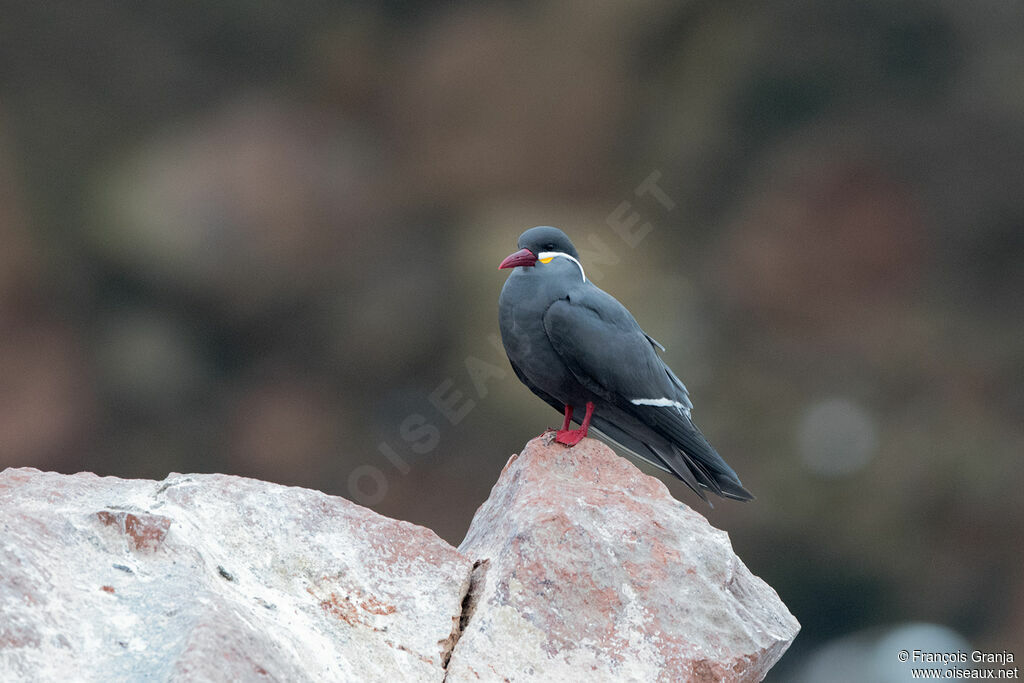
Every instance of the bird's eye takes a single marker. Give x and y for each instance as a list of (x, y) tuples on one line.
[(550, 246)]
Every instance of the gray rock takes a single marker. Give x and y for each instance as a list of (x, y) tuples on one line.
[(577, 567), (584, 564), (208, 577)]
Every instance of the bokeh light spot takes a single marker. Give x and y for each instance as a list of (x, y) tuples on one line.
[(837, 437)]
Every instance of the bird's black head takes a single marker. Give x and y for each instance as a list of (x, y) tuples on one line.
[(545, 238), (537, 241)]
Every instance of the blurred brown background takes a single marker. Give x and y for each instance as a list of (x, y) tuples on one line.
[(261, 238)]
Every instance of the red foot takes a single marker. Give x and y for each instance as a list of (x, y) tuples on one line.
[(571, 437)]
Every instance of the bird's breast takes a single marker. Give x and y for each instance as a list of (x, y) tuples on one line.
[(521, 320)]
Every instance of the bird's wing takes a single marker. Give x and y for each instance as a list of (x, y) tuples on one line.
[(608, 353), (604, 347)]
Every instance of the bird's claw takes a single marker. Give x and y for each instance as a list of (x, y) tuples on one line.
[(570, 437)]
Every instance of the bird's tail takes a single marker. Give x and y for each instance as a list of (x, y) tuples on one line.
[(698, 473), (692, 452)]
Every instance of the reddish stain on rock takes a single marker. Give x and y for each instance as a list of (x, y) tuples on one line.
[(375, 606), (349, 608), (146, 530), (107, 589), (340, 608)]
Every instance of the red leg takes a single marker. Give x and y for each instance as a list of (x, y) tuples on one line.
[(568, 419), (574, 436), (586, 418)]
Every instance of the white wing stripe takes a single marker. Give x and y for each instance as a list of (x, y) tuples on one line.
[(661, 403)]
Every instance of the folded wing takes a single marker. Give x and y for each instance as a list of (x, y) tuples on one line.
[(607, 351)]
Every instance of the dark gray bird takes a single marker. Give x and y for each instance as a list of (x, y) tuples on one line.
[(580, 350)]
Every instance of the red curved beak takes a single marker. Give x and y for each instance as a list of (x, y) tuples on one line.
[(523, 257)]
